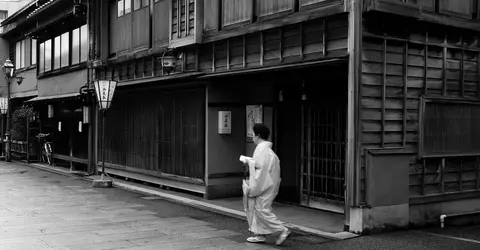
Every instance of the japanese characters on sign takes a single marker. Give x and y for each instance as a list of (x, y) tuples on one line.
[(224, 122), (254, 115)]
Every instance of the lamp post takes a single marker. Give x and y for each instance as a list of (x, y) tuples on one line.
[(104, 90), (8, 68)]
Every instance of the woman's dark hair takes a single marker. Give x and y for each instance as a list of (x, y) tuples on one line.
[(261, 130)]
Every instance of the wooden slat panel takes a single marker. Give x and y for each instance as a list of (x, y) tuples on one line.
[(463, 7), (236, 11), (211, 10), (160, 21), (269, 7), (141, 28)]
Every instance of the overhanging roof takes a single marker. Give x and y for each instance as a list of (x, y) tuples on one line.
[(54, 97)]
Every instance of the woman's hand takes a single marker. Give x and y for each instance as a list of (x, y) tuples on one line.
[(245, 185)]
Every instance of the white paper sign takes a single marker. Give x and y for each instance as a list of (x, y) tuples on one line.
[(60, 126), (254, 115), (224, 122)]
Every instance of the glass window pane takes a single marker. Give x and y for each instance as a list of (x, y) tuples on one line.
[(48, 55), (128, 6), (56, 53), (34, 51), (120, 8), (17, 55), (136, 4), (65, 49), (41, 55), (83, 43), (22, 54), (145, 3), (75, 46)]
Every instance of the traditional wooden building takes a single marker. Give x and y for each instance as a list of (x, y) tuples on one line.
[(373, 104), (49, 46)]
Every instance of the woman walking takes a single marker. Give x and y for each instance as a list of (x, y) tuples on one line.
[(262, 187)]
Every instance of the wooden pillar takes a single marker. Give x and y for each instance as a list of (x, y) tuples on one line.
[(353, 165)]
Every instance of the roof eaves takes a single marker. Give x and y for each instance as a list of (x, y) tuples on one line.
[(18, 12)]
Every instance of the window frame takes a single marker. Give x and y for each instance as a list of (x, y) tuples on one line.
[(424, 100)]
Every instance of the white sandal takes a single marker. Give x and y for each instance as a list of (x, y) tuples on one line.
[(257, 239), (283, 236)]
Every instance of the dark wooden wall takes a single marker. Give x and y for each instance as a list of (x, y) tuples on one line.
[(157, 131), (402, 61), (130, 31), (314, 40)]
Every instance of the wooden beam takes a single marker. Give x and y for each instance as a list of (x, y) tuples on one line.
[(295, 18), (425, 77), (462, 75), (244, 58), (478, 75), (444, 80), (324, 36), (261, 49), (354, 143)]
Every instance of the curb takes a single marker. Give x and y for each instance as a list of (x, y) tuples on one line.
[(194, 203)]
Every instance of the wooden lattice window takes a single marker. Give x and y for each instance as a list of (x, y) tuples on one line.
[(449, 127), (183, 18)]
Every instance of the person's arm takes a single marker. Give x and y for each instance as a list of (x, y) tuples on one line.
[(260, 179)]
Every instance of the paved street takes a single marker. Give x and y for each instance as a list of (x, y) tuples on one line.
[(41, 210)]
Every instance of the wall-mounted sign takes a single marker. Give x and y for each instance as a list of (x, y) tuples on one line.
[(80, 126), (254, 115), (224, 122), (60, 126)]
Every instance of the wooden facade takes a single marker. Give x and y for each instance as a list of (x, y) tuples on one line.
[(420, 95)]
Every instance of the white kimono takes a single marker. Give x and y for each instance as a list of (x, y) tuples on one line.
[(262, 188)]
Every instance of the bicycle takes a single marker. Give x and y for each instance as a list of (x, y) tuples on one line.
[(46, 149)]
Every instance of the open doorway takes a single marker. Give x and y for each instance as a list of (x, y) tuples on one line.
[(311, 122)]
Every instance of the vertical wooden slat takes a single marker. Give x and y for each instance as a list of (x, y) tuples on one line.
[(425, 87), (301, 44), (213, 57), (442, 175), (460, 185), (302, 154), (179, 18), (228, 54), (444, 86), (478, 75), (280, 54), (384, 79), (187, 17), (261, 49), (424, 171), (197, 59), (309, 151), (324, 38), (405, 93), (244, 52), (477, 163), (462, 75)]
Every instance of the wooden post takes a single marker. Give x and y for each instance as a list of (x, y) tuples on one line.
[(352, 178)]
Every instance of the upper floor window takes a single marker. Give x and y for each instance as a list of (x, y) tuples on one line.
[(3, 15), (137, 4), (25, 53), (67, 49), (124, 7)]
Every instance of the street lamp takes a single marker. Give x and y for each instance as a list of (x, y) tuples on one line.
[(8, 69), (104, 90)]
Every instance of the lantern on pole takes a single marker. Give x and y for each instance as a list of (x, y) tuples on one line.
[(104, 90)]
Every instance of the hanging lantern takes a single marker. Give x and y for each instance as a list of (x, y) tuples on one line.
[(50, 111), (104, 90), (169, 62), (86, 114)]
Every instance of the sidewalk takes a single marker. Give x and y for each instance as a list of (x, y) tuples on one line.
[(320, 223)]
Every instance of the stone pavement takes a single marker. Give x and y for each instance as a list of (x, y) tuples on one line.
[(41, 210)]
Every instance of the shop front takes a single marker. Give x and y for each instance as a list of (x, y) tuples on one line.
[(306, 111)]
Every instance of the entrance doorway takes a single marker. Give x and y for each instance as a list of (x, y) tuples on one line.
[(311, 122)]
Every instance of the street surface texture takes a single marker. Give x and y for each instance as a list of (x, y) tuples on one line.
[(42, 210)]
